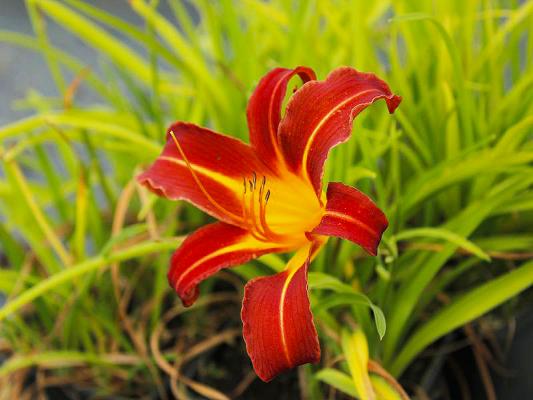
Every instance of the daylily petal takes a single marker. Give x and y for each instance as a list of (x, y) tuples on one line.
[(219, 164), (264, 109), (208, 250), (278, 325), (352, 215), (320, 115)]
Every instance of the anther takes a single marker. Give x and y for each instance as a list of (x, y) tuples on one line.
[(267, 196), (254, 180), (244, 184), (251, 186)]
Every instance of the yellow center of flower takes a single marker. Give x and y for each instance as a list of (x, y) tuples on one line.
[(280, 209)]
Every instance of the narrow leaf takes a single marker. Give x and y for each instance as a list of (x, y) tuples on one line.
[(468, 307), (441, 233)]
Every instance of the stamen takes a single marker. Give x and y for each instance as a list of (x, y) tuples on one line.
[(262, 218), (243, 202), (252, 208), (261, 188), (269, 233), (255, 227), (251, 228), (200, 185), (262, 213)]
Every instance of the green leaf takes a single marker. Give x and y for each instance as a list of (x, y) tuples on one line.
[(463, 310), (62, 359), (339, 380), (97, 123), (89, 265), (441, 233), (320, 280), (194, 63), (383, 390), (97, 38), (126, 233), (428, 265), (452, 172), (343, 382), (355, 349), (345, 295)]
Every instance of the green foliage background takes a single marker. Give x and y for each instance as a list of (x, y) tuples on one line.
[(452, 168)]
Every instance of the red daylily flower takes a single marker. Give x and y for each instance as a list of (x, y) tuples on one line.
[(268, 198)]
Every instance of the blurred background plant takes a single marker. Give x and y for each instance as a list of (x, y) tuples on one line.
[(84, 251)]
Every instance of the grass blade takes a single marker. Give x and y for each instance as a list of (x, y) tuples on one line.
[(470, 306)]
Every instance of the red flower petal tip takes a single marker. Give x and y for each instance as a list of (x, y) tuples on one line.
[(393, 102), (319, 116), (352, 215)]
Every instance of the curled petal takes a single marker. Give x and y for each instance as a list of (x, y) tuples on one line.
[(264, 109), (278, 325), (208, 250), (352, 215), (320, 115), (211, 174)]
